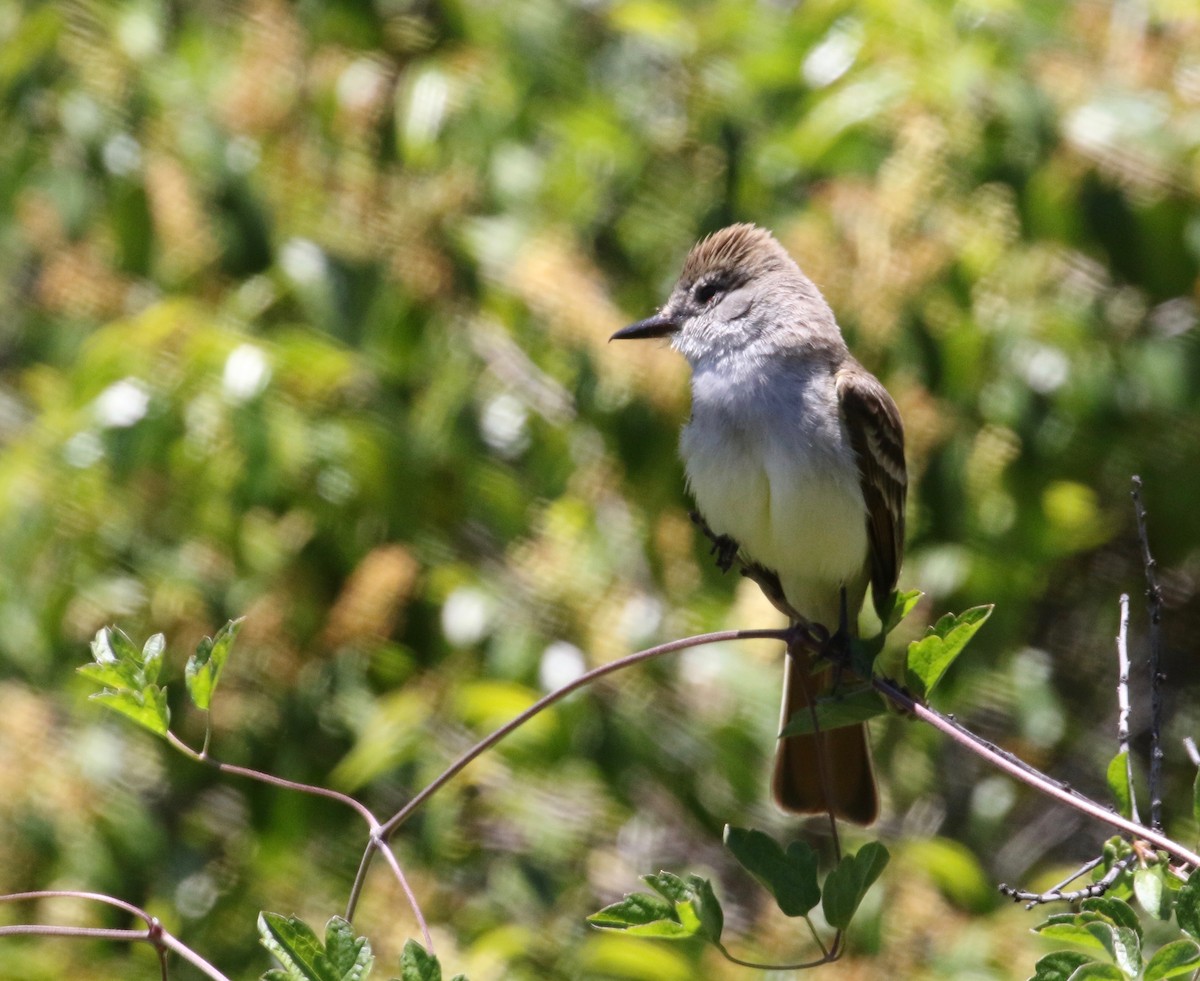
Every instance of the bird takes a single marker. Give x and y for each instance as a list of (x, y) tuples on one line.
[(794, 456)]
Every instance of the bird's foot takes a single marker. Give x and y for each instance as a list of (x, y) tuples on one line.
[(724, 548)]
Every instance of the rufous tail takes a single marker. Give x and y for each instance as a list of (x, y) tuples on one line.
[(825, 771)]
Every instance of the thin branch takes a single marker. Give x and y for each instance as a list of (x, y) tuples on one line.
[(481, 747), (96, 897), (801, 966), (1123, 703), (261, 777), (377, 840), (585, 679), (1155, 604), (1028, 775), (390, 857), (154, 934), (1055, 893)]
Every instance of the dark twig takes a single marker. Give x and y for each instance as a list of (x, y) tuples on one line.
[(1155, 605), (1055, 894)]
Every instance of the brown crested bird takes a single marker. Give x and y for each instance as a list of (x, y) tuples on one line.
[(795, 457)]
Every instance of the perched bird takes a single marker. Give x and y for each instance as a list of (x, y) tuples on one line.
[(795, 458)]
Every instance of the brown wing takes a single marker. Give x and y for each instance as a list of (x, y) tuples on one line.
[(877, 435)]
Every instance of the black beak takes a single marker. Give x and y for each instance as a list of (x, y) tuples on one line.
[(656, 326)]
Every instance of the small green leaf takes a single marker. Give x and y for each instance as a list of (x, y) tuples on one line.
[(640, 915), (294, 945), (929, 657), (122, 647), (1119, 912), (350, 956), (417, 964), (152, 657), (708, 908), (898, 606), (1148, 887), (1196, 798), (1068, 928), (343, 957), (847, 884), (1173, 959), (147, 708), (204, 667), (668, 885), (1060, 966), (1187, 907), (118, 659), (689, 908), (108, 675), (1099, 971), (791, 876), (1118, 784), (837, 711)]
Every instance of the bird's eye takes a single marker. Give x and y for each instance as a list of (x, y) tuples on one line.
[(706, 290)]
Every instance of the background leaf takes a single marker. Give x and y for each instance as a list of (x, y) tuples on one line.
[(847, 884)]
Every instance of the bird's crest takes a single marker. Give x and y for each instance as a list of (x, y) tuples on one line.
[(743, 247)]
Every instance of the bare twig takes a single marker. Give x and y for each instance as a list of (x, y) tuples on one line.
[(1155, 606), (585, 679), (377, 841), (1123, 703), (1030, 776), (154, 934), (1055, 894)]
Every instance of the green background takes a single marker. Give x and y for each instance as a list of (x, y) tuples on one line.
[(304, 310)]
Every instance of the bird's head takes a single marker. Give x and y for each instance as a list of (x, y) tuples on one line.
[(718, 305)]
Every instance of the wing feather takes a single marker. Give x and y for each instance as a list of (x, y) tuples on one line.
[(876, 433)]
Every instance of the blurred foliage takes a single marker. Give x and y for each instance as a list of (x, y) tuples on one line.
[(304, 319)]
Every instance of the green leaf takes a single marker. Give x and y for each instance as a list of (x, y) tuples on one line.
[(204, 667), (898, 606), (108, 675), (847, 884), (836, 711), (1118, 784), (294, 945), (1119, 912), (1060, 965), (1068, 928), (694, 904), (1187, 907), (1148, 887), (929, 657), (1196, 798), (152, 657), (1099, 971), (791, 876), (350, 956), (147, 708), (417, 964), (641, 915), (118, 664), (121, 646), (1173, 959), (343, 957), (689, 908), (708, 908)]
